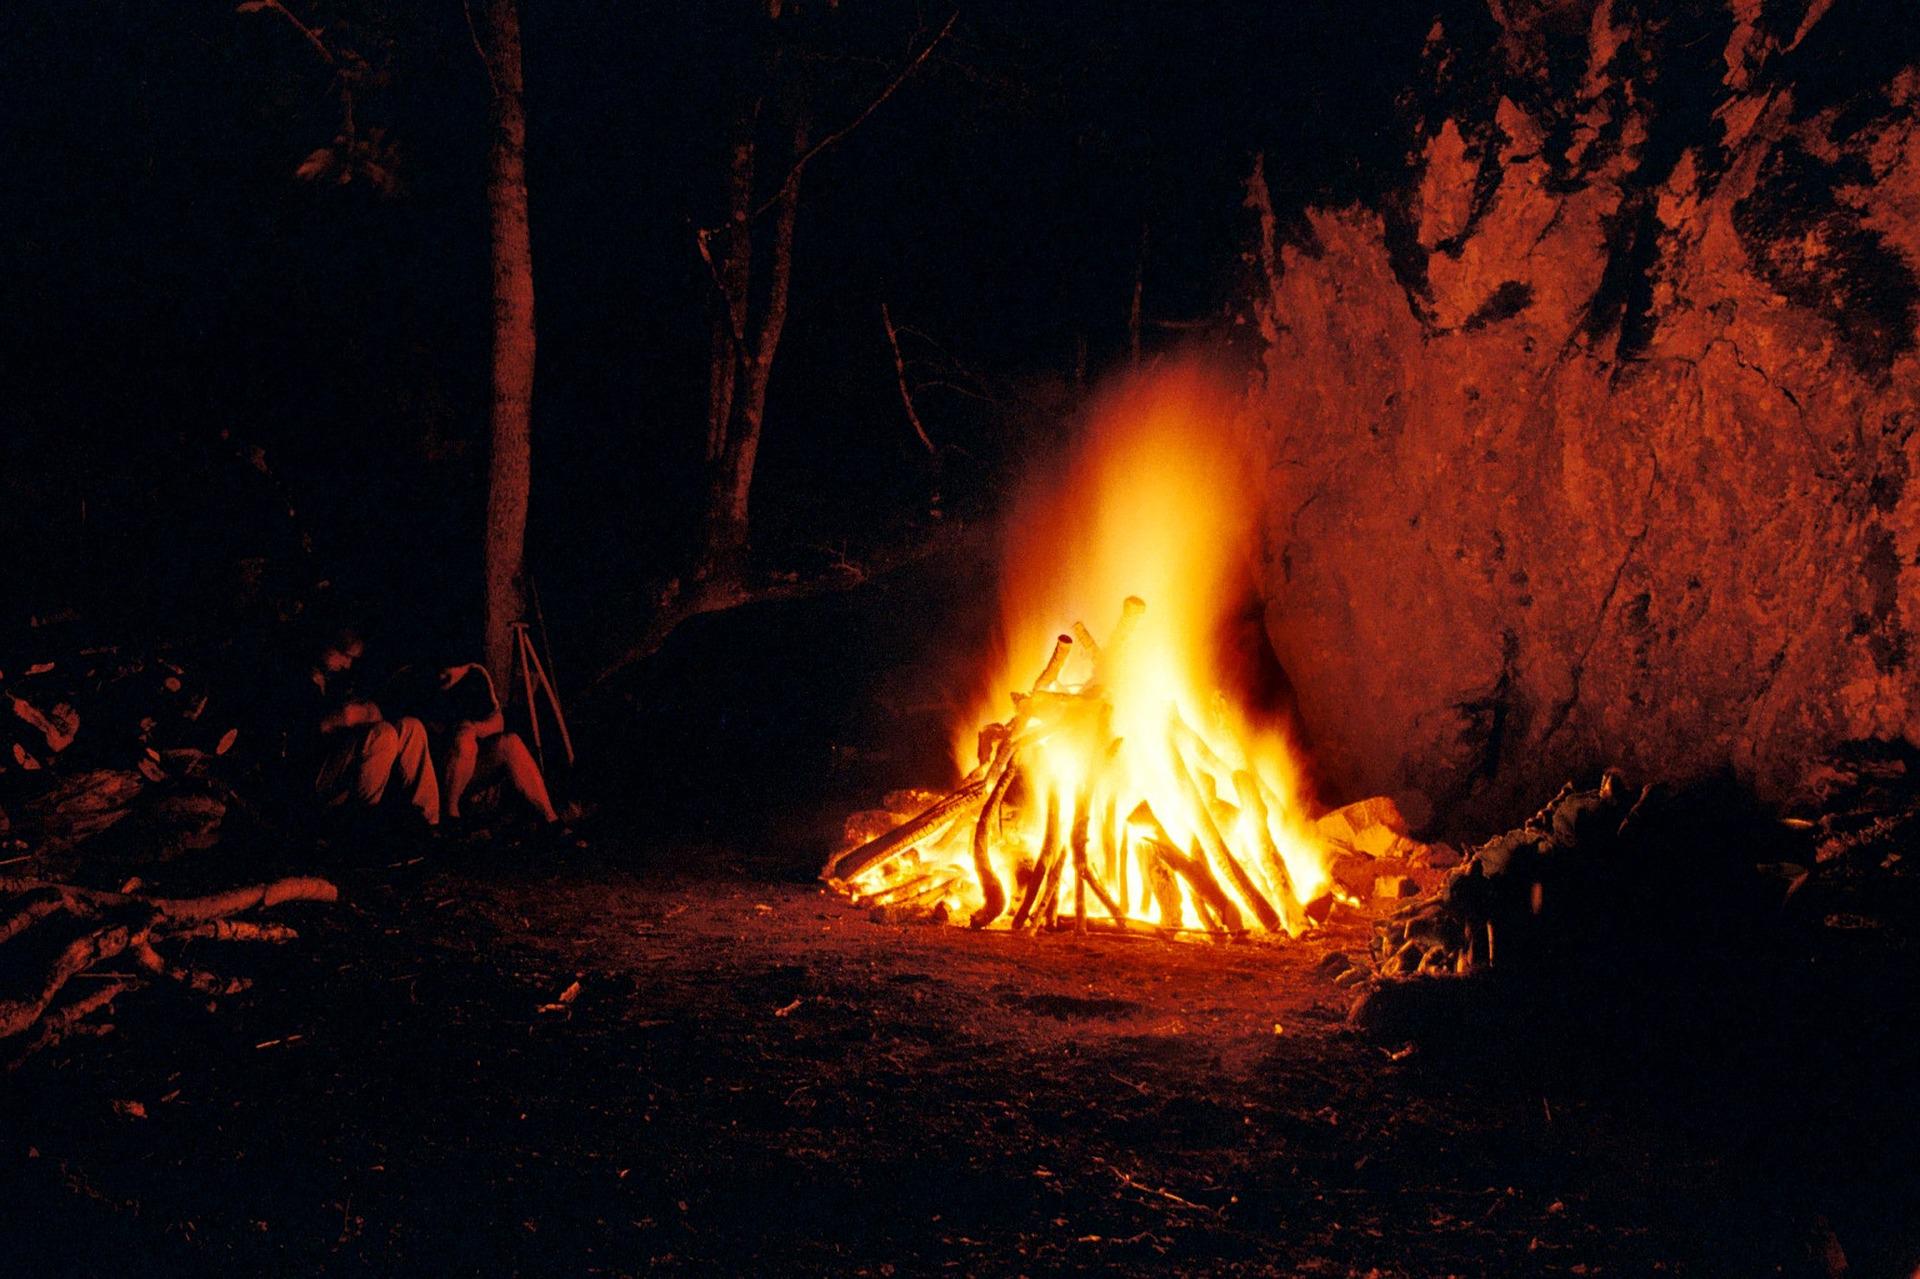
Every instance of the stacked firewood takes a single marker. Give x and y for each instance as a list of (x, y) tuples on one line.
[(942, 852), (54, 934)]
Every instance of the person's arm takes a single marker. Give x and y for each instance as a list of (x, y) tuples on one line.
[(494, 722), (351, 715)]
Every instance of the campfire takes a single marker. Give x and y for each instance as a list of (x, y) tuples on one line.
[(1120, 786)]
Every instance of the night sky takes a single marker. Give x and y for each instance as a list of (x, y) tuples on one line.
[(180, 299)]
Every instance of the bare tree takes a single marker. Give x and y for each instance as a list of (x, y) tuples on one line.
[(749, 312)]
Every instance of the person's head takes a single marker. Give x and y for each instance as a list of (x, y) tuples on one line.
[(341, 649)]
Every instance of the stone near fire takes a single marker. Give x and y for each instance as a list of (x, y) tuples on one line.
[(1395, 886), (1372, 826)]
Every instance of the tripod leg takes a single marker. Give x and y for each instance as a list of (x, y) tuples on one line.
[(553, 700), (526, 681)]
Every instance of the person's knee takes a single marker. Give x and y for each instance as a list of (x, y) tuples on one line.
[(381, 739), (411, 734), (513, 749)]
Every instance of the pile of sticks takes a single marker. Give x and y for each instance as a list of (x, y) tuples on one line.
[(944, 851), (121, 941)]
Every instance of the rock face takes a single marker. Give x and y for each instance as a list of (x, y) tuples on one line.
[(1593, 443)]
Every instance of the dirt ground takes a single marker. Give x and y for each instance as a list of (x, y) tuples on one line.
[(756, 1078)]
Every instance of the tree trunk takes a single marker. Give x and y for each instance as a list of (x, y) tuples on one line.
[(735, 275), (509, 466), (732, 478)]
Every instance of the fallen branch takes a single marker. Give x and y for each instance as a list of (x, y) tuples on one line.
[(900, 375), (199, 979), (239, 930), (66, 1019), (46, 902), (80, 954)]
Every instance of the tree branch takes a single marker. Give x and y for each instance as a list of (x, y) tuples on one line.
[(900, 374), (807, 157), (312, 34)]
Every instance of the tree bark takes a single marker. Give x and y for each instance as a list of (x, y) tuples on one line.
[(509, 470), (732, 477), (733, 274)]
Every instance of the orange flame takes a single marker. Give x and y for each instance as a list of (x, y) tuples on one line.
[(1133, 754)]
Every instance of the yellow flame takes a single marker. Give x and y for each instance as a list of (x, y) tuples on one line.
[(1157, 502)]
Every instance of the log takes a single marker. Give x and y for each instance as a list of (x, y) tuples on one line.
[(1112, 847), (1084, 638), (238, 930), (1206, 889), (198, 979), (1216, 847), (1082, 819), (1062, 649), (1116, 646), (1247, 786), (1161, 886), (79, 955), (1106, 901), (934, 883), (45, 902), (297, 888), (990, 886), (66, 1019), (1043, 871), (930, 821)]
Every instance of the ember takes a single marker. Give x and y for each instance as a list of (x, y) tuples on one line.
[(1125, 790)]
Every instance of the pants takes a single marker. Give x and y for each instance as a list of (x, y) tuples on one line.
[(362, 762)]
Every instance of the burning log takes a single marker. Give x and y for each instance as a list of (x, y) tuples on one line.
[(996, 895), (1215, 846), (1160, 883), (1058, 742), (1193, 869), (1131, 610), (931, 821), (1247, 786), (1046, 870), (1217, 910)]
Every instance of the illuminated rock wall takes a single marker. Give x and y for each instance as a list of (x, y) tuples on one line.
[(1593, 443)]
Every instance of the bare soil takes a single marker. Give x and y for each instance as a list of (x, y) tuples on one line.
[(756, 1077)]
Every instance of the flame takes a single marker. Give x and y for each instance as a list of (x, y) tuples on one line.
[(1134, 764)]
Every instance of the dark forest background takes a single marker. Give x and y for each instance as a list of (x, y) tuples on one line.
[(195, 340)]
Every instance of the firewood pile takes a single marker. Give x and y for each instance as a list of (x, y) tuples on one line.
[(72, 951), (111, 763), (1602, 875), (93, 736), (1097, 804), (1508, 891)]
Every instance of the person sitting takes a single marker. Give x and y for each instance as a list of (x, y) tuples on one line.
[(465, 715), (358, 757)]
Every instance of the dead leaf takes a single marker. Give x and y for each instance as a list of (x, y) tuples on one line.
[(782, 1012), (128, 1109)]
